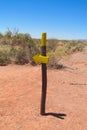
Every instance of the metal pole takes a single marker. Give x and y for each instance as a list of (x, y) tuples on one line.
[(44, 75)]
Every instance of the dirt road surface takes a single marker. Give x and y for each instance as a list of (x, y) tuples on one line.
[(66, 104)]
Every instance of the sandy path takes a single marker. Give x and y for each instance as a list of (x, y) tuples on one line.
[(20, 93)]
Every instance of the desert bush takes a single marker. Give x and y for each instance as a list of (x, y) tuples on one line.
[(4, 58), (53, 64), (19, 48), (74, 46), (21, 57), (54, 61), (4, 55), (61, 51), (52, 44)]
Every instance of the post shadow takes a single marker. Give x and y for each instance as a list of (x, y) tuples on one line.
[(57, 115)]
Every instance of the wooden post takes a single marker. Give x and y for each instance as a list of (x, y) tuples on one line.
[(44, 75)]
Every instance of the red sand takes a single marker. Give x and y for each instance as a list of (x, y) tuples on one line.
[(20, 95)]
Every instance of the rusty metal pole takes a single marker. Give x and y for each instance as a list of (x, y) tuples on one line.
[(44, 75)]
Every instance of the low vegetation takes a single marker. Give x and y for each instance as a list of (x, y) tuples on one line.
[(19, 48)]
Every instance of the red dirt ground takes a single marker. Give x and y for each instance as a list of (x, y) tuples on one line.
[(66, 105)]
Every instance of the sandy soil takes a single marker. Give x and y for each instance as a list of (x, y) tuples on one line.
[(66, 105)]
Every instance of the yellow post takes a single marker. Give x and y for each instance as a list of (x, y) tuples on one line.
[(44, 75), (43, 43)]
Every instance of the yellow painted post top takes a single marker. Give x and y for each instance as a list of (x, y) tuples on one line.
[(43, 42)]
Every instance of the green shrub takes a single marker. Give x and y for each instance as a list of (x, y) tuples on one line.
[(54, 61), (4, 59), (52, 44), (19, 48), (21, 57), (74, 46)]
